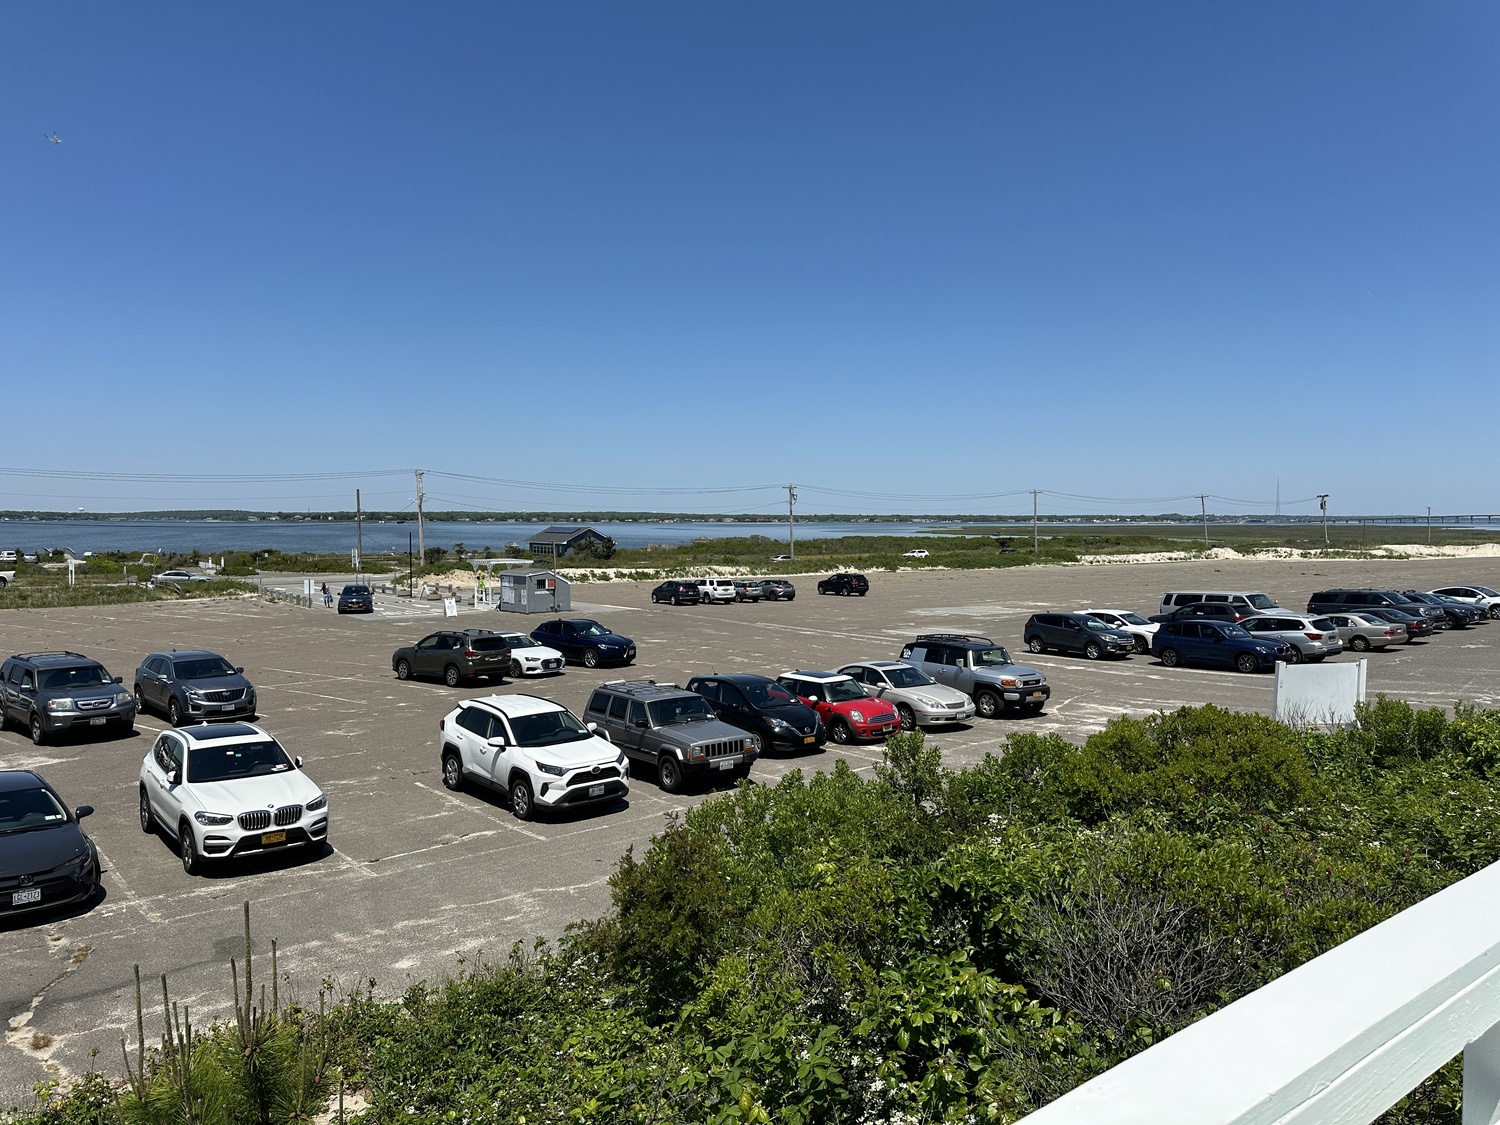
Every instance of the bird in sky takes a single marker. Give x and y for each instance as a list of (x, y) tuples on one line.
[(53, 137)]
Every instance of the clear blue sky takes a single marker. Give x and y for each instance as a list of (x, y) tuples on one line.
[(1115, 250)]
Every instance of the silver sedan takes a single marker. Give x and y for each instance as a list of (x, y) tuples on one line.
[(919, 699), (1361, 634)]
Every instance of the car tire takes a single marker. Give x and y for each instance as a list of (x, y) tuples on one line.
[(187, 851), (174, 712), (515, 670), (1359, 644), (1171, 657), (591, 658), (840, 732), (669, 773), (1246, 662), (140, 700), (451, 675), (38, 732), (1296, 657), (453, 771), (1035, 645), (676, 600), (908, 717), (1495, 612), (1092, 650), (148, 822), (522, 805), (987, 704), (1142, 645), (403, 670)]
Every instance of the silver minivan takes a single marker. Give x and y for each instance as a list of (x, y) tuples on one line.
[(1312, 638), (1248, 601)]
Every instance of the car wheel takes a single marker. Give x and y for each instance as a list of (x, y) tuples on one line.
[(1246, 662), (1296, 656), (1171, 657), (140, 701), (38, 732), (453, 771), (1142, 645), (174, 712), (1092, 650), (147, 824), (187, 849), (591, 658), (515, 670), (908, 717), (1035, 644), (1495, 612), (986, 704), (521, 805), (676, 600), (403, 670), (451, 676), (669, 773), (1359, 644), (840, 732)]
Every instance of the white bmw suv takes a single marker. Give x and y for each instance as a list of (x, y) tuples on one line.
[(537, 751), (227, 790)]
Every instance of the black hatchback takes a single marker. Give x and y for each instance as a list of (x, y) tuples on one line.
[(45, 859), (844, 583), (762, 706), (677, 592)]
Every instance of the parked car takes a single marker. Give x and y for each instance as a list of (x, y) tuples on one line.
[(585, 641), (176, 577), (6, 578), (1482, 596), (1140, 629), (915, 553), (1249, 602), (7, 556), (844, 583), (356, 598), (46, 860), (192, 686), (1357, 601), (1216, 644), (672, 729), (229, 790), (453, 656), (920, 700), (1362, 632), (982, 670), (781, 558), (1460, 615), (747, 590), (1311, 638), (1417, 628), (1076, 632), (777, 590), (528, 658), (47, 693), (764, 708), (1207, 611), (842, 704), (718, 591), (677, 592), (536, 751)]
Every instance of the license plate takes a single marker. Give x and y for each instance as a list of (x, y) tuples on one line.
[(808, 741), (273, 838), (727, 763), (96, 722), (226, 707), (596, 790), (25, 895), (1036, 695)]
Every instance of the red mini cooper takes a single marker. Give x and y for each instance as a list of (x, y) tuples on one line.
[(842, 704)]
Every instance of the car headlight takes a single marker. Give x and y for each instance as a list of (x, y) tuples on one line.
[(318, 803), (549, 768), (857, 716), (751, 744), (620, 761), (212, 818), (122, 697), (1009, 681), (59, 705), (926, 701), (780, 724)]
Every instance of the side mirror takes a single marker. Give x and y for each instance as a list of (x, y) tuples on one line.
[(239, 671), (174, 777), (297, 761), (82, 811), (119, 679), (593, 727), (641, 723), (498, 742)]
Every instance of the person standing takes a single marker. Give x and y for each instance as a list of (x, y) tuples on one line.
[(327, 595)]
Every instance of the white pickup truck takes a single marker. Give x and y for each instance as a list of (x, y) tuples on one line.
[(6, 576)]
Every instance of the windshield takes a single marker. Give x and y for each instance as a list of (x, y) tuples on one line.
[(239, 759), (520, 640), (767, 695), (1260, 601), (592, 629), (1096, 625), (548, 729), (87, 675), (842, 691), (23, 809), (356, 589), (1133, 619), (202, 668), (690, 708), (995, 657), (908, 677), (1487, 592), (1235, 631)]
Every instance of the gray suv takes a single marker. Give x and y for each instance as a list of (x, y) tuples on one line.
[(51, 692), (194, 686), (981, 669), (673, 729)]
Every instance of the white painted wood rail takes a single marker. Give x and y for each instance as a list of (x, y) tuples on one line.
[(1336, 1041)]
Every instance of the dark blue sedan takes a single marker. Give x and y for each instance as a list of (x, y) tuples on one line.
[(586, 642)]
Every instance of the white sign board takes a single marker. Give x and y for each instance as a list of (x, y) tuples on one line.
[(450, 607), (1318, 694)]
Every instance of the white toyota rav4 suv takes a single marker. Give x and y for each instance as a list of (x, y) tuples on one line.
[(229, 789), (537, 751)]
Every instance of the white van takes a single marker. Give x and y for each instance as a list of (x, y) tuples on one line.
[(716, 589), (1258, 603)]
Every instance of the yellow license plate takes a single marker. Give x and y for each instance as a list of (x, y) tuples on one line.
[(808, 741), (273, 838)]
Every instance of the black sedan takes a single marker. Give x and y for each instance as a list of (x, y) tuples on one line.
[(587, 642), (762, 707), (45, 859), (1416, 627), (356, 598), (1460, 615)]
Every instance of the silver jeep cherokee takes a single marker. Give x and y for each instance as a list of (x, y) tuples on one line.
[(673, 729)]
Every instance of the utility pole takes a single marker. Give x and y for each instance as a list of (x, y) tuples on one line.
[(1278, 497), (1035, 492), (1203, 503), (1323, 506), (791, 521), (359, 534), (1429, 525), (421, 539)]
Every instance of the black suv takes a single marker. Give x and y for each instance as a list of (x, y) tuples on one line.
[(1353, 601), (1460, 615), (356, 598), (763, 707), (672, 729), (50, 692), (454, 656), (844, 583), (677, 592), (193, 686), (1076, 632)]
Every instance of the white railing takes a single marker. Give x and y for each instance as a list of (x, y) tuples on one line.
[(1336, 1041)]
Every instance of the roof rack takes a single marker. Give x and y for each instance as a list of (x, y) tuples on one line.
[(956, 638), (639, 687), (34, 655)]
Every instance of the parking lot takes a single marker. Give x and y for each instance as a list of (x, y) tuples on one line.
[(418, 876)]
